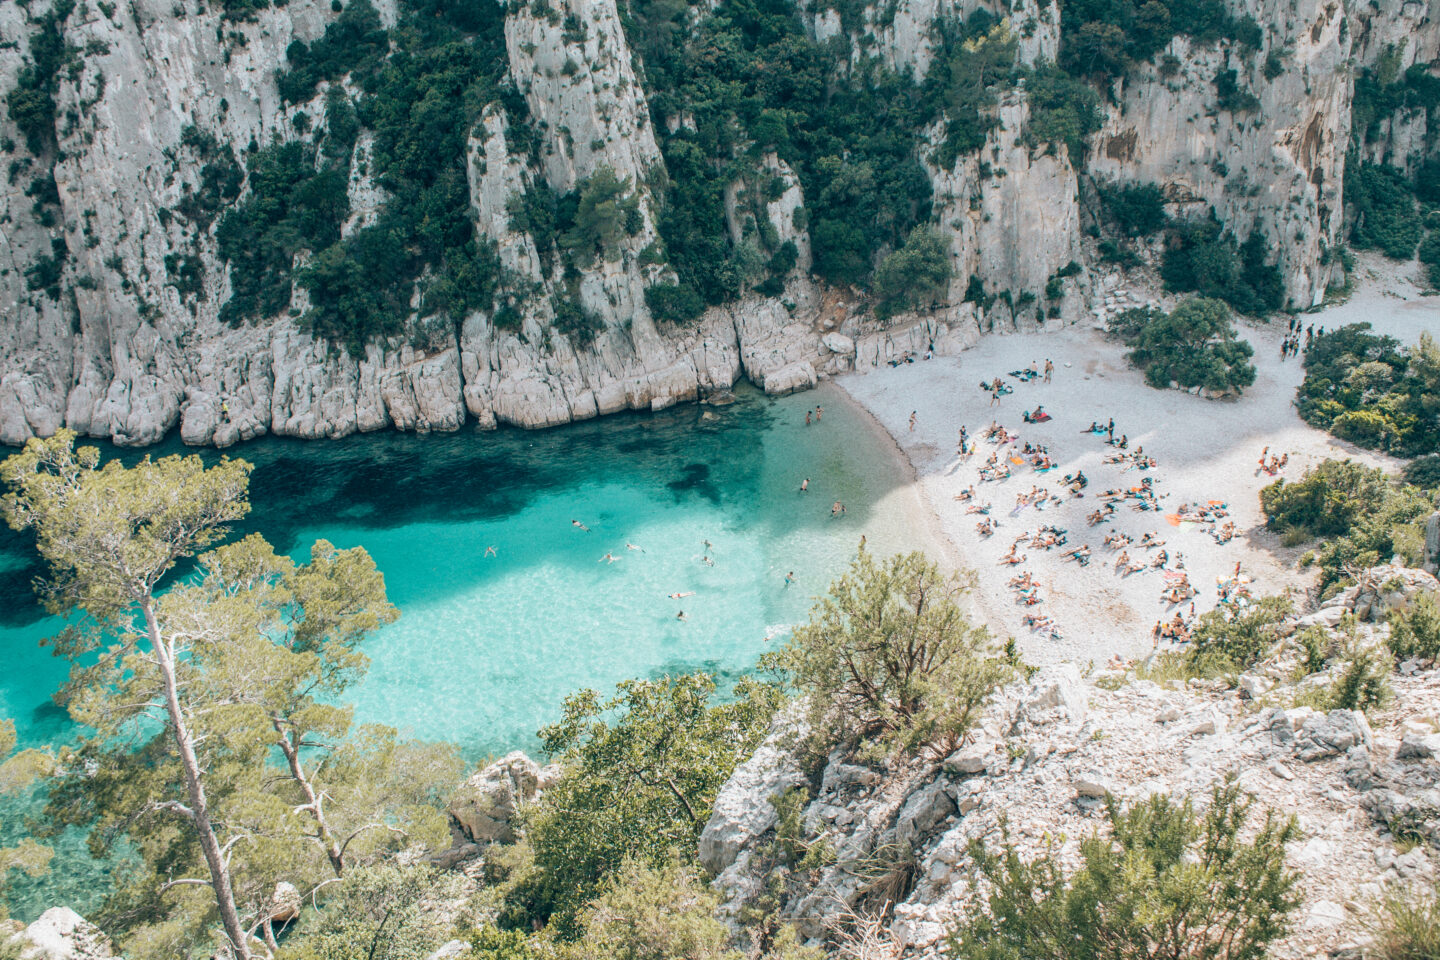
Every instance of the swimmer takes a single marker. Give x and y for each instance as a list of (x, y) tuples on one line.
[(805, 485), (708, 545), (631, 546), (836, 509), (489, 551), (862, 543), (681, 596), (818, 411), (789, 578), (610, 557), (807, 418), (681, 617), (578, 524), (707, 561)]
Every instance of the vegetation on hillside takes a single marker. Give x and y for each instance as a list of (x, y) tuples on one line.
[(889, 662), (1371, 391), (1362, 515), (1166, 881), (1194, 345)]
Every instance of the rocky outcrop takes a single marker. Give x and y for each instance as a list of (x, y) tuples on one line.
[(62, 934), (1051, 750), (485, 805)]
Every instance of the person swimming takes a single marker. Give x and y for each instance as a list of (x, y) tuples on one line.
[(610, 557), (489, 551), (682, 595), (681, 617), (805, 485), (578, 524), (789, 578), (631, 546)]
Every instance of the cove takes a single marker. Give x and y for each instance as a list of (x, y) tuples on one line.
[(487, 648)]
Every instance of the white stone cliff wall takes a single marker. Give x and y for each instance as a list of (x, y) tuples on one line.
[(120, 354)]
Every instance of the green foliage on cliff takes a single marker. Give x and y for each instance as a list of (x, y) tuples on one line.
[(1231, 641), (1386, 218), (1383, 90), (1105, 38), (31, 102), (1203, 257), (642, 769), (889, 663), (353, 43), (1167, 880), (1137, 209), (914, 276), (1373, 392), (1194, 345)]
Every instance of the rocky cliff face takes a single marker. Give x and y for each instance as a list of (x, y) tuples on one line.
[(112, 281)]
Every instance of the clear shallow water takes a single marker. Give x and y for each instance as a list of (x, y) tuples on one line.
[(486, 648)]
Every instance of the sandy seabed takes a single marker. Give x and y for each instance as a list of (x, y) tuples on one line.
[(1206, 451)]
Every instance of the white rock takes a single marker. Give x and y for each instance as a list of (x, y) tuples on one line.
[(62, 934), (742, 810), (450, 950), (485, 804)]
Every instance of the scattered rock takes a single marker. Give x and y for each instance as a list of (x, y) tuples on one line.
[(1091, 784), (970, 761), (1055, 692), (1418, 746), (923, 811), (450, 950), (1331, 734)]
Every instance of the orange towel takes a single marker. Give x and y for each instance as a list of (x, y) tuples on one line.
[(1173, 519)]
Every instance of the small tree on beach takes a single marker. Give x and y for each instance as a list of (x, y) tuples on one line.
[(1194, 345), (889, 660)]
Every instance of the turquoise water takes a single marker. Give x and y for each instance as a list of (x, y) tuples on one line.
[(486, 648)]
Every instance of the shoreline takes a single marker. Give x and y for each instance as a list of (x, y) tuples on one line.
[(1205, 451)]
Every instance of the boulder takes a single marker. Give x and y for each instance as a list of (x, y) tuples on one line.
[(450, 950), (838, 343), (1331, 734), (62, 934), (1056, 692), (969, 761), (1419, 746), (485, 804), (1253, 685), (742, 811), (1090, 783), (923, 811), (284, 903)]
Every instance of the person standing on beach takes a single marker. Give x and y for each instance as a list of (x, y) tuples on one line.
[(1049, 369), (912, 421), (819, 411), (1110, 429), (995, 394)]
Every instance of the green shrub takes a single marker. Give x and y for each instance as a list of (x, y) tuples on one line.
[(1167, 882), (1230, 641), (1369, 390), (888, 660), (1385, 215), (1423, 472), (1367, 517), (674, 302), (915, 275), (31, 102), (1062, 110), (1405, 924), (642, 770), (1416, 632), (1138, 209), (1195, 345), (1202, 257), (1363, 684), (355, 42), (381, 912)]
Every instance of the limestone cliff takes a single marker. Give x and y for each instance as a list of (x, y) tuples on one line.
[(129, 126)]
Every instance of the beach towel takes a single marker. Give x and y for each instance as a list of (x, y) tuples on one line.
[(1173, 519)]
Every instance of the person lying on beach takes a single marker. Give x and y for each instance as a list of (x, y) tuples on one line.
[(985, 527), (1025, 579), (979, 508), (1225, 533), (1080, 554), (1099, 516), (1160, 560), (1148, 541), (967, 494), (1012, 558), (1117, 540)]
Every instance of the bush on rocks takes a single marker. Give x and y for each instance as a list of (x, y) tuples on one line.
[(889, 661), (1405, 925), (1415, 632), (1169, 881), (1226, 641)]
